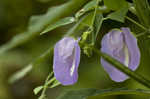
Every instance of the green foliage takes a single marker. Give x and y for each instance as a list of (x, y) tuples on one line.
[(115, 4), (59, 23), (43, 21), (97, 25), (88, 23), (143, 11), (89, 6), (23, 72), (136, 23), (49, 83), (84, 93), (96, 22), (118, 15), (93, 21)]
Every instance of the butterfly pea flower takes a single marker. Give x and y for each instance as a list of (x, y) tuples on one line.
[(121, 45), (66, 60)]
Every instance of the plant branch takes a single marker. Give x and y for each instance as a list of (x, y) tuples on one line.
[(136, 23)]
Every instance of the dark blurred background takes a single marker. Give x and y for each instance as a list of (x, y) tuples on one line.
[(14, 19)]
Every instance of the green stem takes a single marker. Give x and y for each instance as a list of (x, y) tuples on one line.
[(45, 86), (136, 23), (95, 11), (50, 81), (141, 34), (93, 20)]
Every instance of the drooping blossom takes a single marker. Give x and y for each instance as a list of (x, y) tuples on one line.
[(66, 60), (121, 45)]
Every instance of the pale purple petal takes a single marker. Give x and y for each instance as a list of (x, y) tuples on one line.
[(133, 49), (66, 61), (120, 45)]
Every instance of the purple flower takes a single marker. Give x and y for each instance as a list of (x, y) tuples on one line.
[(121, 45), (66, 61)]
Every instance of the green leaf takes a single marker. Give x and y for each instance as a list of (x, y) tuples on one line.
[(59, 23), (87, 7), (97, 25), (37, 89), (84, 93), (118, 15), (115, 4), (20, 74), (87, 21), (143, 11), (35, 20)]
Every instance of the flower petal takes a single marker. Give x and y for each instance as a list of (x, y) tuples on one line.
[(134, 51), (120, 45), (114, 74), (66, 60), (112, 44)]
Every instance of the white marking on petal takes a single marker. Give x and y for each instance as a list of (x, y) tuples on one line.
[(126, 52), (72, 68), (73, 64)]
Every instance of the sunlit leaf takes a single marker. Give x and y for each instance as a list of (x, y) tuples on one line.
[(86, 8), (59, 23)]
